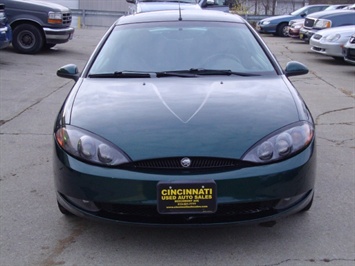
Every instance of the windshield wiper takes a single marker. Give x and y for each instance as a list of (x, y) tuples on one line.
[(227, 72), (176, 73), (122, 74), (193, 72)]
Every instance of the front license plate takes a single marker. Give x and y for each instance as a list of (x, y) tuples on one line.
[(179, 197)]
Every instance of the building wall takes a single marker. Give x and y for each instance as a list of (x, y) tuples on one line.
[(104, 12), (107, 5)]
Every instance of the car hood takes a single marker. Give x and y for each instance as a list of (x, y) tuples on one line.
[(35, 5), (344, 30), (167, 117), (159, 6)]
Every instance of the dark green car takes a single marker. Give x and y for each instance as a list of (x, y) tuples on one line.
[(183, 118)]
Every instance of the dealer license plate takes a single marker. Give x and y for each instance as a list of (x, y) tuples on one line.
[(178, 197)]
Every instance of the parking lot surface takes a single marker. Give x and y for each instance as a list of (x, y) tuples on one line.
[(34, 232)]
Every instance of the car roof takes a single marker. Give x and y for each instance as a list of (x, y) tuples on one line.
[(173, 15), (330, 13)]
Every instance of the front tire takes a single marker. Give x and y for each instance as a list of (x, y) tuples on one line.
[(282, 30), (27, 39)]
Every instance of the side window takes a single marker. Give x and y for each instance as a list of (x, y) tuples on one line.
[(220, 2), (312, 10)]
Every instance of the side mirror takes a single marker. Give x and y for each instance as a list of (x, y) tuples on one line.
[(210, 2), (303, 15), (131, 1), (295, 68), (68, 71)]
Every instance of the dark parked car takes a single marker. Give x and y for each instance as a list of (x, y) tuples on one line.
[(161, 135), (278, 25), (38, 25), (326, 19), (5, 29)]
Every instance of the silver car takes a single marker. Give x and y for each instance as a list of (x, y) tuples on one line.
[(331, 41)]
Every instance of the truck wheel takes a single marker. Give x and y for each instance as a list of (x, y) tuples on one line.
[(282, 30), (27, 39)]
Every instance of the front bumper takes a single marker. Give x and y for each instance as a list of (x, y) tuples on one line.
[(266, 28), (349, 55), (57, 36), (327, 48), (5, 36), (248, 195), (306, 34)]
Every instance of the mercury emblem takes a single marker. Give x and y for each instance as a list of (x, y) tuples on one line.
[(185, 162)]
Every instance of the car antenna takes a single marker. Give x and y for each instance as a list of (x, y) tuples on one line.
[(180, 18)]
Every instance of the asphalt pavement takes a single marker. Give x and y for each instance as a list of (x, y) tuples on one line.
[(34, 232)]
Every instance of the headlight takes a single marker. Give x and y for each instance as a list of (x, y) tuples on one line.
[(333, 37), (322, 23), (55, 17), (281, 144), (297, 26), (2, 14), (265, 22), (89, 147)]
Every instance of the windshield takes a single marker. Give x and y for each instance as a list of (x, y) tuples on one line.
[(299, 11), (181, 45)]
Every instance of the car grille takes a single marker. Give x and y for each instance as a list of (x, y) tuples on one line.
[(309, 22), (196, 163), (67, 19), (317, 36), (350, 54), (225, 213)]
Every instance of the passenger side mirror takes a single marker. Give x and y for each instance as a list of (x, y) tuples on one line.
[(69, 71), (295, 68)]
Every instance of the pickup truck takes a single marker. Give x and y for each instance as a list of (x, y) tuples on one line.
[(37, 25), (5, 29)]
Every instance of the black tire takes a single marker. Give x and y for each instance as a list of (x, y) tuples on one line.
[(63, 210), (27, 39), (282, 30)]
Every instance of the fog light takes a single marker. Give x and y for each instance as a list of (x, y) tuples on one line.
[(86, 205), (288, 202)]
